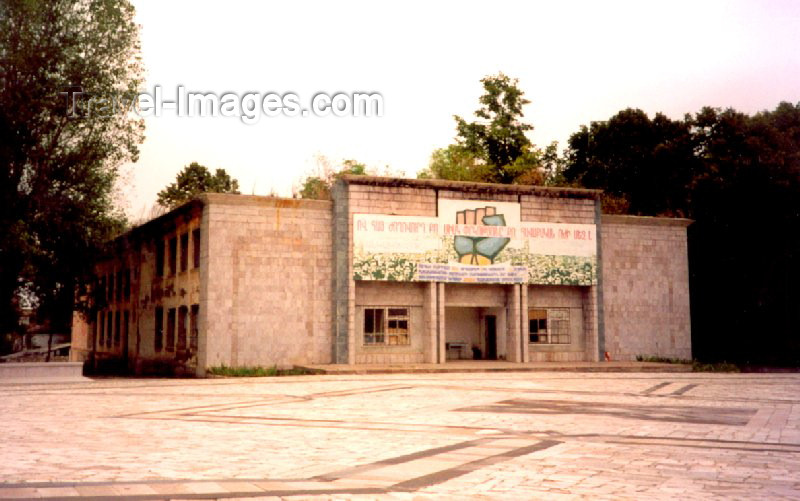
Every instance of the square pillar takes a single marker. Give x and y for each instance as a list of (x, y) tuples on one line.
[(430, 309), (513, 345), (523, 305), (441, 323)]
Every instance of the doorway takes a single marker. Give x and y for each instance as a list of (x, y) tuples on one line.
[(491, 337)]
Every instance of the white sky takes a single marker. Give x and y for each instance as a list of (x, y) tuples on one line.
[(576, 61)]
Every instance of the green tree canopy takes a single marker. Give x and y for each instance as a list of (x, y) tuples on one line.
[(738, 177), (58, 168), (318, 187), (495, 148), (193, 180)]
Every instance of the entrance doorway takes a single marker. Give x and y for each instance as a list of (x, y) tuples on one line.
[(491, 337)]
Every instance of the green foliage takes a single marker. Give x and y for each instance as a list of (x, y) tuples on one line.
[(193, 180), (57, 168), (738, 177), (273, 371), (494, 149), (319, 187), (662, 360)]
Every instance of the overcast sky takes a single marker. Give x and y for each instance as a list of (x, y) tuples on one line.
[(576, 61)]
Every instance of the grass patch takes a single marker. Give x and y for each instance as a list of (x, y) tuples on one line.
[(662, 360), (697, 366), (225, 371), (715, 367)]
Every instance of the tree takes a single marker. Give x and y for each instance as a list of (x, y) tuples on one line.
[(318, 187), (500, 139), (193, 180), (494, 149), (738, 177), (58, 164), (643, 165), (456, 163)]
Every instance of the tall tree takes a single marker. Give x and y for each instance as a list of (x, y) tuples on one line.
[(59, 163), (499, 138), (644, 165), (738, 177), (193, 180)]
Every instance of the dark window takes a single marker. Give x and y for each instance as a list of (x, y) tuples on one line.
[(196, 247), (125, 324), (109, 328), (159, 329), (193, 328), (120, 281), (183, 327), (101, 328), (184, 252), (160, 258), (117, 327), (172, 258), (90, 342), (170, 330), (127, 289), (110, 290)]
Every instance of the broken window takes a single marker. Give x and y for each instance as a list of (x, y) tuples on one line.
[(172, 258), (388, 326), (193, 328), (125, 325), (170, 346), (184, 252), (120, 285), (159, 258), (159, 329), (183, 327), (548, 326), (109, 328), (196, 247), (101, 328), (117, 327)]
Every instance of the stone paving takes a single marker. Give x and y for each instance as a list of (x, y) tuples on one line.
[(406, 436)]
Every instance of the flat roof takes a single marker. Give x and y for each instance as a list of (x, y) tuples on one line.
[(442, 184)]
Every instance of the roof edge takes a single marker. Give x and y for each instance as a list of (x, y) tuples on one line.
[(471, 186), (646, 220)]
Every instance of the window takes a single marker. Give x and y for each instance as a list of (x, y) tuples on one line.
[(170, 329), (196, 247), (548, 326), (109, 328), (184, 252), (387, 326), (101, 327), (117, 327), (110, 290), (172, 258), (127, 281), (160, 258), (125, 323), (183, 320), (193, 329), (158, 340), (120, 281)]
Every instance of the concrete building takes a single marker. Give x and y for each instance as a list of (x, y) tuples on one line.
[(390, 271)]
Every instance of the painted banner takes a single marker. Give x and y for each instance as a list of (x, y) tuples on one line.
[(473, 241)]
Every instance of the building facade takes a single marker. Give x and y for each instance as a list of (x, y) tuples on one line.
[(390, 271)]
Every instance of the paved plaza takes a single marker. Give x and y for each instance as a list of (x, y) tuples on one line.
[(406, 436)]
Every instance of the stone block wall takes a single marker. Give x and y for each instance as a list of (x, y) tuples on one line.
[(268, 294), (645, 287)]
